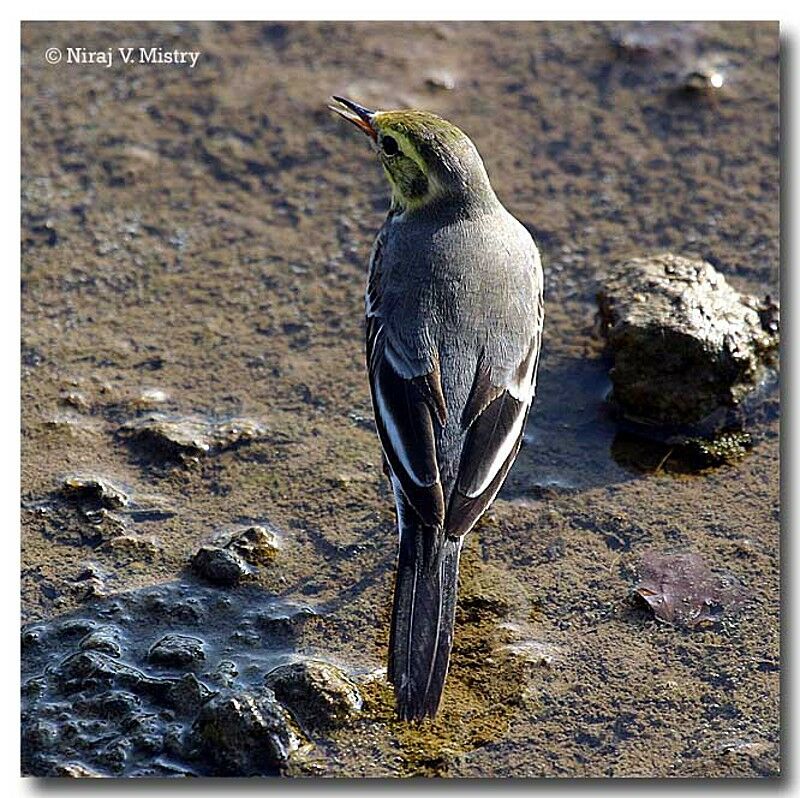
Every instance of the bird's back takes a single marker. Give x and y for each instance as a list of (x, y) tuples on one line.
[(460, 291)]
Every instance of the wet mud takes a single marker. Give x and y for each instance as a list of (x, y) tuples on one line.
[(194, 250)]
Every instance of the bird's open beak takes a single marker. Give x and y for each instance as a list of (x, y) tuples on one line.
[(353, 112)]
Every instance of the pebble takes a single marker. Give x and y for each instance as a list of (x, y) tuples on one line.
[(220, 566), (319, 694), (178, 651), (245, 734)]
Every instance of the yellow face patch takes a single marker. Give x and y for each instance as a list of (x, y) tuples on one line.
[(424, 156), (411, 180), (385, 128)]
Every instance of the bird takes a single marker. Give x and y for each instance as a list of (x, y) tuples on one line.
[(454, 318)]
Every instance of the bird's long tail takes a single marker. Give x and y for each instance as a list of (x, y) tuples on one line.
[(424, 611)]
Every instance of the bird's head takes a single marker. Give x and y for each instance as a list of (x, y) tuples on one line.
[(425, 157)]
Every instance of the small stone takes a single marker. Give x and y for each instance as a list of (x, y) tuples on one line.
[(705, 79), (319, 694), (32, 637), (224, 674), (256, 544), (90, 571), (91, 589), (171, 438), (74, 770), (633, 45), (90, 670), (113, 705), (440, 81), (73, 628), (41, 734), (177, 651), (135, 545), (94, 492), (234, 432), (186, 694), (105, 639), (77, 400), (190, 437), (245, 734), (151, 397), (219, 566), (694, 347), (535, 652), (89, 583)]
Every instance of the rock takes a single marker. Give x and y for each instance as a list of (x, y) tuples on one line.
[(149, 398), (91, 670), (219, 566), (114, 706), (32, 637), (256, 544), (684, 343), (176, 438), (319, 694), (74, 628), (93, 492), (41, 734), (534, 652), (76, 400), (135, 545), (75, 770), (235, 432), (105, 640), (224, 674), (440, 81), (171, 438), (704, 78), (177, 651), (186, 695), (89, 583), (245, 734)]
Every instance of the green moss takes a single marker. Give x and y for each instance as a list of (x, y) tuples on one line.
[(728, 447)]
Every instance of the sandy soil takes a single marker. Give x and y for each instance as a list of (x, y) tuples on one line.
[(204, 233)]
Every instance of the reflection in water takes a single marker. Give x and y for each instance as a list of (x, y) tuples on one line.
[(567, 443), (574, 441)]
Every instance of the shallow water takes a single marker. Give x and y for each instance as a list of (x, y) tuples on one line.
[(195, 244)]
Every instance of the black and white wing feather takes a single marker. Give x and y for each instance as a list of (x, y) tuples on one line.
[(493, 421), (405, 411), (408, 410)]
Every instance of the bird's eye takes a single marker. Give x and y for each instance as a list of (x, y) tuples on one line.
[(389, 146)]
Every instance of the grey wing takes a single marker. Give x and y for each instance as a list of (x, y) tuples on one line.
[(493, 422), (406, 409), (410, 412)]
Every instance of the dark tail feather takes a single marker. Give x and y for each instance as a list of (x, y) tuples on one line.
[(422, 619)]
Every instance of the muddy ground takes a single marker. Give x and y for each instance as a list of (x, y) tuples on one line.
[(194, 243)]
